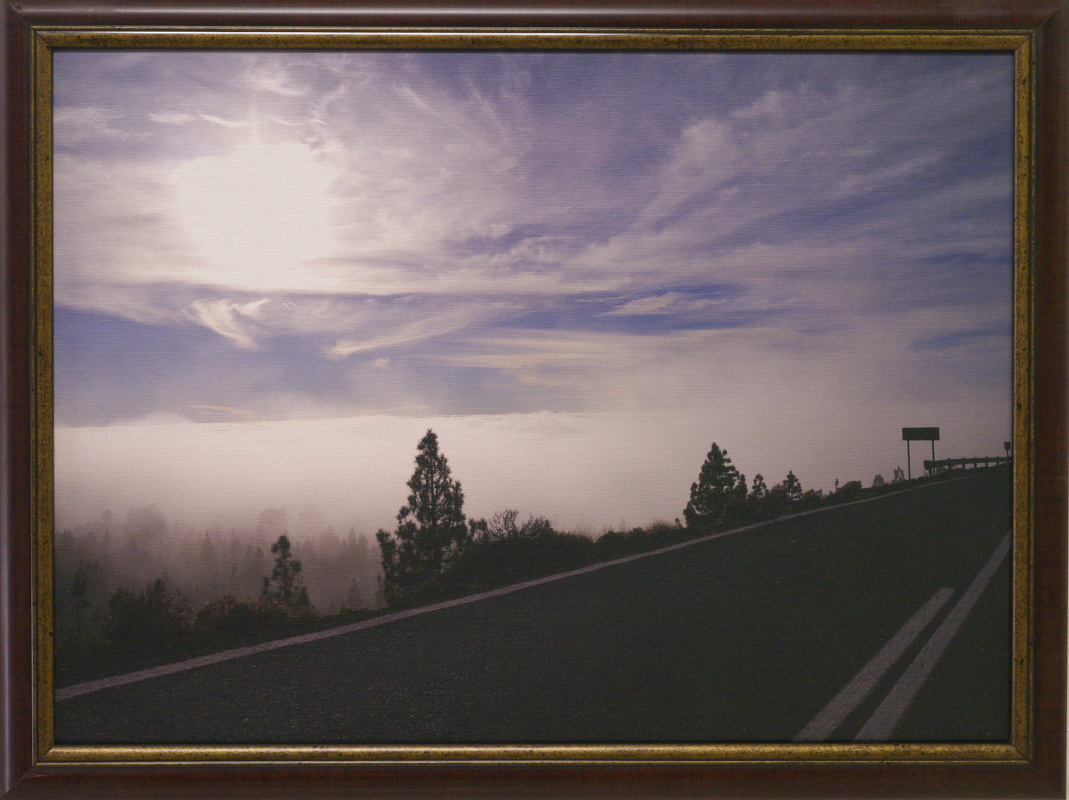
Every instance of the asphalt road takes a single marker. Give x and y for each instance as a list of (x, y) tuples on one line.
[(745, 638)]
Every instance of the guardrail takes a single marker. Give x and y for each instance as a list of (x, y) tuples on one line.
[(952, 463)]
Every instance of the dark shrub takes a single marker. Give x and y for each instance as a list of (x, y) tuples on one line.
[(232, 616), (155, 616), (851, 490)]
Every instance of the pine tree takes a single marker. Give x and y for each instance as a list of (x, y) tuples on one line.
[(431, 527), (289, 585), (719, 483), (760, 488), (794, 486), (355, 600)]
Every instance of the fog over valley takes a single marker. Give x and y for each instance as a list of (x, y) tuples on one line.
[(583, 472)]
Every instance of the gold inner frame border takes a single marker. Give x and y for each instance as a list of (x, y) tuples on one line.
[(1019, 751)]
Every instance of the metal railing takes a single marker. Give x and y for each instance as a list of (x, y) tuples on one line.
[(955, 463)]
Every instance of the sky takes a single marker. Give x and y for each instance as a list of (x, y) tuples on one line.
[(274, 271)]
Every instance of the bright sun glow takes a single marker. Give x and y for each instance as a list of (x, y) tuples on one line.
[(257, 212)]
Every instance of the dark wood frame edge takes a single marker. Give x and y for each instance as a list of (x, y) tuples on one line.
[(1043, 777)]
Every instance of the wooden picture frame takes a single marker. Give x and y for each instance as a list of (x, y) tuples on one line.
[(1033, 765)]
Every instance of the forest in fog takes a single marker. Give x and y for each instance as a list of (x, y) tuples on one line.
[(132, 551)]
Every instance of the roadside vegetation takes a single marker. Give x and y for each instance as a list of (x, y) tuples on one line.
[(158, 625), (434, 553)]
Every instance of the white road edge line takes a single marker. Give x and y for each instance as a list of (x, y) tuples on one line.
[(88, 687), (831, 717), (882, 723)]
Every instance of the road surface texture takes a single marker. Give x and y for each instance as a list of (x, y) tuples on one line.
[(884, 620)]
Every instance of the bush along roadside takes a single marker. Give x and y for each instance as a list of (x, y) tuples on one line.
[(158, 625), (434, 556)]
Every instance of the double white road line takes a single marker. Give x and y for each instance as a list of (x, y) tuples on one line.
[(882, 723)]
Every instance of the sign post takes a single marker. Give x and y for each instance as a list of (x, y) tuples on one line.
[(919, 435)]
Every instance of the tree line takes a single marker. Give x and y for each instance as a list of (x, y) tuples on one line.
[(160, 613), (137, 591), (435, 551), (721, 494)]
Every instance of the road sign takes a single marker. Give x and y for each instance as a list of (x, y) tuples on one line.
[(920, 434)]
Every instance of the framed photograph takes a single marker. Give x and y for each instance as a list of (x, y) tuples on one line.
[(491, 401)]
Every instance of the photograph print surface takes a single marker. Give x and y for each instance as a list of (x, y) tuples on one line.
[(518, 397)]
